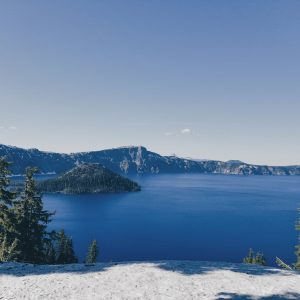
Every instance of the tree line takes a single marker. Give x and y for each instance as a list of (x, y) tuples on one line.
[(24, 236)]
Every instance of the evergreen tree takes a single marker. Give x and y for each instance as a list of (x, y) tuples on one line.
[(31, 222), (260, 259), (8, 240), (92, 254), (9, 252), (23, 225), (256, 259), (50, 252), (250, 258), (65, 250)]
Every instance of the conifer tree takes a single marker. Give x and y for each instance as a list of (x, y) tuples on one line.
[(256, 259), (50, 253), (31, 222), (260, 259), (92, 254), (8, 240), (9, 252), (23, 225), (69, 252), (65, 250), (249, 259)]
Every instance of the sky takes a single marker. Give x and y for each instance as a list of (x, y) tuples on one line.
[(201, 79)]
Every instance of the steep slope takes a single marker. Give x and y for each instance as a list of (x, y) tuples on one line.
[(88, 178), (45, 161), (133, 160)]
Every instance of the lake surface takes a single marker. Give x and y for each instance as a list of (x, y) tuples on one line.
[(186, 216)]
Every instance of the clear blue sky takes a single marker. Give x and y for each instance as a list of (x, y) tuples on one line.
[(203, 79)]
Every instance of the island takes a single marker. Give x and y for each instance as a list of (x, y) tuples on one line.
[(88, 179)]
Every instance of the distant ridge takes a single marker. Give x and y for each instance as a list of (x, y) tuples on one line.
[(234, 162), (133, 160)]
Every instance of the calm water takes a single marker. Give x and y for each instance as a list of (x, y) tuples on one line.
[(193, 217)]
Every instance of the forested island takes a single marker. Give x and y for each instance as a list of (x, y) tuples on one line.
[(88, 179)]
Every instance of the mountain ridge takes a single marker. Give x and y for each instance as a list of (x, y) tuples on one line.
[(133, 160)]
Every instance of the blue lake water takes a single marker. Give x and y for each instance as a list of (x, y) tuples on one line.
[(186, 216)]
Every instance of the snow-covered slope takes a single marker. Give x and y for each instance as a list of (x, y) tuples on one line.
[(147, 280)]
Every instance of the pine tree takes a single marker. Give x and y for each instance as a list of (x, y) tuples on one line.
[(256, 259), (260, 259), (61, 246), (9, 252), (50, 253), (8, 240), (23, 225), (65, 250), (92, 254), (250, 258), (69, 252), (31, 222)]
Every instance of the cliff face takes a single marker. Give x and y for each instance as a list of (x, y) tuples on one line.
[(133, 160)]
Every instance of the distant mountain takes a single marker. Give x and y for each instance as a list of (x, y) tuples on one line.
[(86, 179), (46, 161), (234, 162), (133, 160)]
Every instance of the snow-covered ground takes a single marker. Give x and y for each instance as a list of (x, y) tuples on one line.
[(147, 280)]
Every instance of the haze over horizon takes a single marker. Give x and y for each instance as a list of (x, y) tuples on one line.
[(203, 79)]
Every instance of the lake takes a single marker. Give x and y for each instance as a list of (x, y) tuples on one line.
[(185, 216)]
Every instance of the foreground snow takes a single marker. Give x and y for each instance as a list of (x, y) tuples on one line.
[(147, 280)]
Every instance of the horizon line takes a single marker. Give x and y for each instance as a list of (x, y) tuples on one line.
[(141, 146)]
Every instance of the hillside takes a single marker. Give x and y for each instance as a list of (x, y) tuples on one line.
[(133, 160), (88, 178), (147, 280)]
